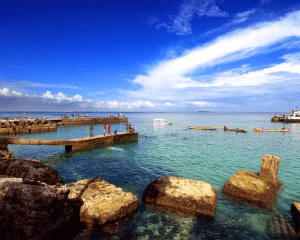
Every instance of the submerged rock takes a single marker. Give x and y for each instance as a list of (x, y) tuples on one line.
[(29, 169), (248, 186), (102, 202), (185, 195), (34, 210), (295, 208)]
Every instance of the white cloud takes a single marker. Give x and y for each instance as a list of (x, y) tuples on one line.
[(16, 93), (170, 78), (243, 16), (181, 23), (112, 104), (77, 98), (202, 103), (125, 105), (62, 97), (277, 73), (168, 104), (6, 92), (62, 101), (48, 94)]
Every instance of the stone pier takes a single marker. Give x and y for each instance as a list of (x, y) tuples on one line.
[(74, 144)]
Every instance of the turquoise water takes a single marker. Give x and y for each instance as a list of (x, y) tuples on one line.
[(211, 156)]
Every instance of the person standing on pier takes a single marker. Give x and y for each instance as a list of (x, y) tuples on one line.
[(14, 130), (104, 129), (91, 130), (108, 129)]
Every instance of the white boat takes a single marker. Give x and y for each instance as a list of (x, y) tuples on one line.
[(294, 117), (161, 122)]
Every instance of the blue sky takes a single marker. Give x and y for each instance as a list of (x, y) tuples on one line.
[(159, 55)]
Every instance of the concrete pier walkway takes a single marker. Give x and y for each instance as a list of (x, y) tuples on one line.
[(34, 125), (86, 120), (74, 144)]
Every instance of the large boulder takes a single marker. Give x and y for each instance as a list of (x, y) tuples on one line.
[(248, 186), (185, 195), (295, 209), (33, 210), (102, 202), (29, 169)]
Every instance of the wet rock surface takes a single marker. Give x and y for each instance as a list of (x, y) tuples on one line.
[(29, 169), (102, 202), (33, 210), (184, 195), (295, 209), (248, 186), (269, 167)]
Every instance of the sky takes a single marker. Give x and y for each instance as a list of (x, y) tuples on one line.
[(157, 56)]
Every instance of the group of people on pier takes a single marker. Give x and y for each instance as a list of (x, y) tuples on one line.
[(107, 127), (74, 116)]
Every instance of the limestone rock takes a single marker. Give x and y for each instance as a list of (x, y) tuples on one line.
[(269, 167), (295, 208), (34, 210), (248, 186), (29, 169), (4, 153), (185, 195), (102, 202)]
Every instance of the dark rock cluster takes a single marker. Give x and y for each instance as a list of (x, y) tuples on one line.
[(29, 169), (33, 210), (33, 203)]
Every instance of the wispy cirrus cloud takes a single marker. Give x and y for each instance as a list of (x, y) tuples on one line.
[(180, 23), (46, 85), (28, 84), (243, 16), (176, 79)]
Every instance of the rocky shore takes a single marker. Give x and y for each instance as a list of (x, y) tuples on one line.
[(36, 204)]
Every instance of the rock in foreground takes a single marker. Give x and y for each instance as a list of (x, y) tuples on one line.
[(295, 208), (248, 186), (184, 195), (34, 211), (4, 153), (29, 169), (102, 202)]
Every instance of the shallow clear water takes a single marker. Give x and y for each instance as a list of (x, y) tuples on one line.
[(211, 156)]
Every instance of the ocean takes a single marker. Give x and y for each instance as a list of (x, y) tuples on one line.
[(210, 156)]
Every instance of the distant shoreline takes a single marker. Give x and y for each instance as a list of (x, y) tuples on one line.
[(124, 112)]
